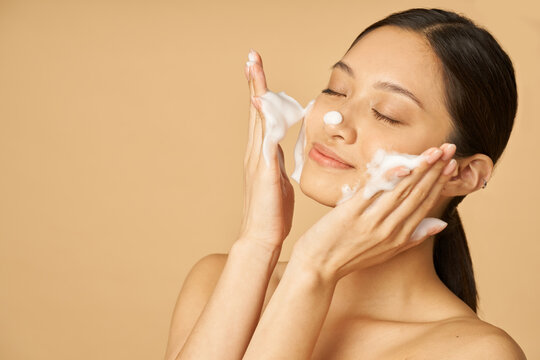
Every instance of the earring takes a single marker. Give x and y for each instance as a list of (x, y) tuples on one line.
[(485, 184)]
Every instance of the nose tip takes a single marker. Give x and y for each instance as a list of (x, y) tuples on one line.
[(345, 132)]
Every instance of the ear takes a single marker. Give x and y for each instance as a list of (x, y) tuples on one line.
[(469, 175)]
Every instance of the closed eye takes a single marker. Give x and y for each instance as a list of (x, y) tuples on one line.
[(380, 116), (331, 92)]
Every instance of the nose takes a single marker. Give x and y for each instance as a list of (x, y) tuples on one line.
[(337, 127)]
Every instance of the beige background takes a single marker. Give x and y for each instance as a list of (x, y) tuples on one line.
[(123, 126)]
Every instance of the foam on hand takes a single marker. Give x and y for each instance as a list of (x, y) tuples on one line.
[(280, 112), (381, 162), (300, 147)]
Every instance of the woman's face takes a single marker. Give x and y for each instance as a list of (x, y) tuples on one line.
[(385, 55)]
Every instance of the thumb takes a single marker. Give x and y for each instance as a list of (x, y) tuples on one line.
[(428, 227), (281, 160)]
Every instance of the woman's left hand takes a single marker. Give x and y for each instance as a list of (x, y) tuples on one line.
[(348, 238)]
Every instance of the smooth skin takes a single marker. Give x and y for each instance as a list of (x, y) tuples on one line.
[(355, 286)]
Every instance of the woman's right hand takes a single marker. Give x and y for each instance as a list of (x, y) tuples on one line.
[(268, 192)]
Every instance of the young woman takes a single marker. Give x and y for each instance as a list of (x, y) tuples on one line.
[(356, 285)]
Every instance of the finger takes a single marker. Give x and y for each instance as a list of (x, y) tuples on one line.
[(282, 161), (246, 71), (359, 204), (396, 173), (427, 228), (413, 230), (268, 165), (257, 141), (258, 87), (255, 56), (386, 201), (257, 132), (259, 79), (431, 181), (252, 110), (390, 200), (251, 132), (393, 176)]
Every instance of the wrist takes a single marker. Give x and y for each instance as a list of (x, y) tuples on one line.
[(248, 249), (309, 266)]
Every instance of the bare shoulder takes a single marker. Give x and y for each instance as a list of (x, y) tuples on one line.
[(200, 283), (194, 294), (471, 337)]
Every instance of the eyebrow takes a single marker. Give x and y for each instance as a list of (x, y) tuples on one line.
[(383, 85)]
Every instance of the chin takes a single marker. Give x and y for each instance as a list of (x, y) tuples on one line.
[(319, 196), (320, 188)]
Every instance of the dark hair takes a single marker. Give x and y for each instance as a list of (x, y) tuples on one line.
[(481, 98)]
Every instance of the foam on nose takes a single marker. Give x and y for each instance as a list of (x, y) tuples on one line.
[(332, 117)]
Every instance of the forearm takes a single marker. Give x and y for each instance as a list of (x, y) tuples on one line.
[(292, 321), (225, 326)]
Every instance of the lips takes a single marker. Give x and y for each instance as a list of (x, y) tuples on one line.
[(327, 157)]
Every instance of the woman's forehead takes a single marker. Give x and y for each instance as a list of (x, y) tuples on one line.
[(396, 55)]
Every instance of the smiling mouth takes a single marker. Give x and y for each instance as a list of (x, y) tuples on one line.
[(327, 161)]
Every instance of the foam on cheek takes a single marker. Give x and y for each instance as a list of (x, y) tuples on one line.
[(346, 193), (280, 112), (381, 162)]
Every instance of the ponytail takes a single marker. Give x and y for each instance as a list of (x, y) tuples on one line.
[(452, 259)]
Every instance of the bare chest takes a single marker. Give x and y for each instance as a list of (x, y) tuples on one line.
[(346, 339)]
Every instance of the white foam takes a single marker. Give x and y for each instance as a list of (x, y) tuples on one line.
[(332, 117), (381, 162), (426, 226), (346, 193), (280, 112), (300, 146)]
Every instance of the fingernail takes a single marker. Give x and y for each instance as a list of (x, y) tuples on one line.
[(403, 172), (449, 151), (437, 229), (252, 56), (434, 156), (450, 167), (428, 151), (427, 227)]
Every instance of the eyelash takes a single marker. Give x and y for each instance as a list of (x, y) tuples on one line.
[(378, 115)]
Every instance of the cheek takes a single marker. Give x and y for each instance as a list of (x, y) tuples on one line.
[(422, 138), (313, 124)]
